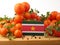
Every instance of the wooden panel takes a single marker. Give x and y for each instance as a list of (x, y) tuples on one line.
[(29, 40)]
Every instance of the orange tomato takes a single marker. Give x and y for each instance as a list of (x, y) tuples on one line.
[(12, 30), (11, 20), (18, 33), (19, 8), (53, 15), (52, 24), (58, 17), (6, 24), (18, 26), (54, 21), (27, 6), (3, 31), (18, 19), (1, 25), (13, 23), (47, 22), (27, 15)]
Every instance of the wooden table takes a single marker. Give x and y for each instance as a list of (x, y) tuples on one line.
[(29, 40)]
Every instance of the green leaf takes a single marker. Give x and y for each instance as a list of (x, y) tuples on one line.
[(45, 34), (5, 17), (49, 29), (47, 14), (31, 10), (10, 36), (36, 11), (3, 23), (31, 22), (57, 28), (1, 18), (43, 17)]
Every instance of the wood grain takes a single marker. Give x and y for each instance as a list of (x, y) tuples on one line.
[(29, 40)]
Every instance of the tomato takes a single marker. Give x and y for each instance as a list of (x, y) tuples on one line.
[(56, 33), (52, 24), (27, 15), (11, 20), (18, 26), (58, 25), (47, 22), (12, 30), (1, 25), (49, 17), (19, 8), (6, 24), (54, 21), (53, 15), (38, 18), (3, 31), (58, 17), (27, 6), (18, 33), (18, 19), (33, 15)]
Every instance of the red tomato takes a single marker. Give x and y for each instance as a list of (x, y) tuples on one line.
[(27, 6), (38, 18), (18, 33), (3, 31), (54, 21), (33, 15), (19, 8), (53, 15), (56, 33), (58, 17)]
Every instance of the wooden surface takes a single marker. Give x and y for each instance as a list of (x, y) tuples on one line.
[(29, 40)]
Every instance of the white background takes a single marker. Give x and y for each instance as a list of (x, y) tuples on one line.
[(7, 6)]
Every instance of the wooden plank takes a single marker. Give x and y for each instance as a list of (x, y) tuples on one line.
[(29, 40)]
